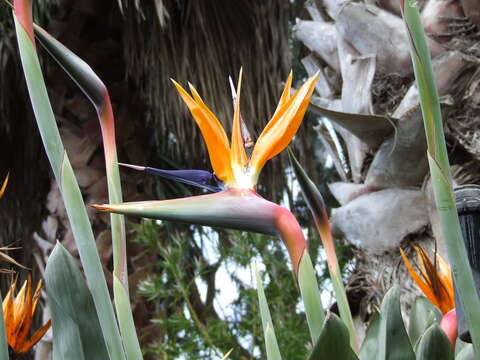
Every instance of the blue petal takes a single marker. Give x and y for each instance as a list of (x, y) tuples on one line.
[(199, 178)]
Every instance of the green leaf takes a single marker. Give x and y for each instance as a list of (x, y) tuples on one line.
[(334, 341), (84, 236), (91, 85), (369, 347), (3, 336), (422, 316), (76, 68), (393, 341), (125, 318), (311, 296), (76, 329), (440, 170), (75, 207), (434, 345), (318, 210), (271, 344)]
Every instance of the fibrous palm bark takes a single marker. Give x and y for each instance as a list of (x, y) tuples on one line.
[(367, 91)]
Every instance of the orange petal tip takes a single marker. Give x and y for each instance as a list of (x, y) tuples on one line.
[(100, 207), (4, 185)]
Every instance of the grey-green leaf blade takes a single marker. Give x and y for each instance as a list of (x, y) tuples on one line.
[(422, 316), (369, 346), (271, 344), (75, 321), (393, 341), (333, 342), (434, 345), (3, 336), (72, 197)]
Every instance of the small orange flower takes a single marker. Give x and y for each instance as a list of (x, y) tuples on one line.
[(435, 279), (18, 313)]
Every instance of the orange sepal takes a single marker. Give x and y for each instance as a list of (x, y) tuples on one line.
[(283, 126), (445, 275), (212, 132), (238, 156), (35, 338), (426, 289), (437, 286), (36, 296), (284, 98), (26, 317), (19, 306), (9, 314), (440, 281)]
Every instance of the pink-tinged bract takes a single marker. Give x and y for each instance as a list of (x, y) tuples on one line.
[(449, 325)]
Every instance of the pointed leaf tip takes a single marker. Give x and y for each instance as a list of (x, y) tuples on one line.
[(317, 208), (77, 69)]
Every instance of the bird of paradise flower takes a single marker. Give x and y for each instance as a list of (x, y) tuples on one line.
[(235, 204), (434, 279), (18, 312)]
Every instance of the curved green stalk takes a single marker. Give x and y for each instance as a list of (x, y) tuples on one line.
[(91, 85), (67, 183), (271, 344), (311, 297), (317, 207)]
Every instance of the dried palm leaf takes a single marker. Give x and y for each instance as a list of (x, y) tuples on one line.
[(371, 129), (345, 192), (471, 8), (379, 221), (332, 147), (401, 160), (323, 87), (321, 38), (384, 36)]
